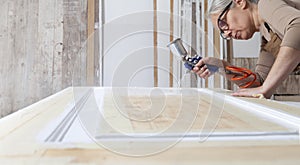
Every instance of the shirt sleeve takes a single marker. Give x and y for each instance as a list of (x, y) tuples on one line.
[(292, 35), (284, 18)]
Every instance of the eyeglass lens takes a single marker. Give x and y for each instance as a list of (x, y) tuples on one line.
[(222, 24)]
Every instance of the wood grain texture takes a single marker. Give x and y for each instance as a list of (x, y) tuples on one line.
[(101, 40), (33, 49), (217, 47), (90, 42), (23, 127), (159, 113), (197, 154), (155, 44), (97, 48), (75, 32), (171, 38), (193, 43), (187, 34), (42, 49), (205, 25), (229, 57)]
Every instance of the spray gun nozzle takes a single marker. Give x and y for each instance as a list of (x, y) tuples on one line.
[(177, 48)]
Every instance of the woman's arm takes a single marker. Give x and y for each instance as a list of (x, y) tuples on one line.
[(233, 75), (287, 59)]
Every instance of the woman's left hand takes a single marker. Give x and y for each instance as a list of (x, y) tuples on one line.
[(287, 59), (251, 92)]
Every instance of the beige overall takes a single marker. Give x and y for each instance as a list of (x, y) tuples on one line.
[(273, 45)]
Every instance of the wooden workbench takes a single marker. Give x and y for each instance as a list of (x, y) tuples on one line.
[(151, 126)]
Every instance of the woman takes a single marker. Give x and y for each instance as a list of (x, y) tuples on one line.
[(279, 24)]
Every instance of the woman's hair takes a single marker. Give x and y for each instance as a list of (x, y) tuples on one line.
[(218, 6)]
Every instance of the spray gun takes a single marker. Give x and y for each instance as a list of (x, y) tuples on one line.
[(238, 73), (178, 49)]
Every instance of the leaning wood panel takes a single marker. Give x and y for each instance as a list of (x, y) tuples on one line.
[(97, 55), (58, 47), (155, 43), (171, 38), (229, 57), (193, 51), (41, 43), (217, 47), (6, 40), (74, 55), (23, 48), (101, 41), (205, 26), (187, 25), (48, 56), (29, 71), (90, 42), (17, 48)]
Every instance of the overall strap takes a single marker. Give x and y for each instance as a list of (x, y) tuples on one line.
[(268, 27), (297, 69)]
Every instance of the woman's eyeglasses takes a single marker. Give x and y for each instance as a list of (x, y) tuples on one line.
[(222, 24)]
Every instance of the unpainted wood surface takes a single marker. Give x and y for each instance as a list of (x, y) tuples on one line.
[(19, 144), (159, 113)]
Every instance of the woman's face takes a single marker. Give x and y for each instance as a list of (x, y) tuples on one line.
[(239, 21)]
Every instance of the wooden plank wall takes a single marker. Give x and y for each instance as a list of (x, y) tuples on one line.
[(41, 51), (171, 38), (217, 46), (75, 32), (187, 26), (155, 43)]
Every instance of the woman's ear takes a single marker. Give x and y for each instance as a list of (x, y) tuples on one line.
[(240, 3)]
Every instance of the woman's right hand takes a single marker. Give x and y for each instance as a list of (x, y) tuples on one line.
[(201, 69)]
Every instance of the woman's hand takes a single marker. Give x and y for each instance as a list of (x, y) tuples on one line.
[(287, 59), (201, 69), (257, 92)]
